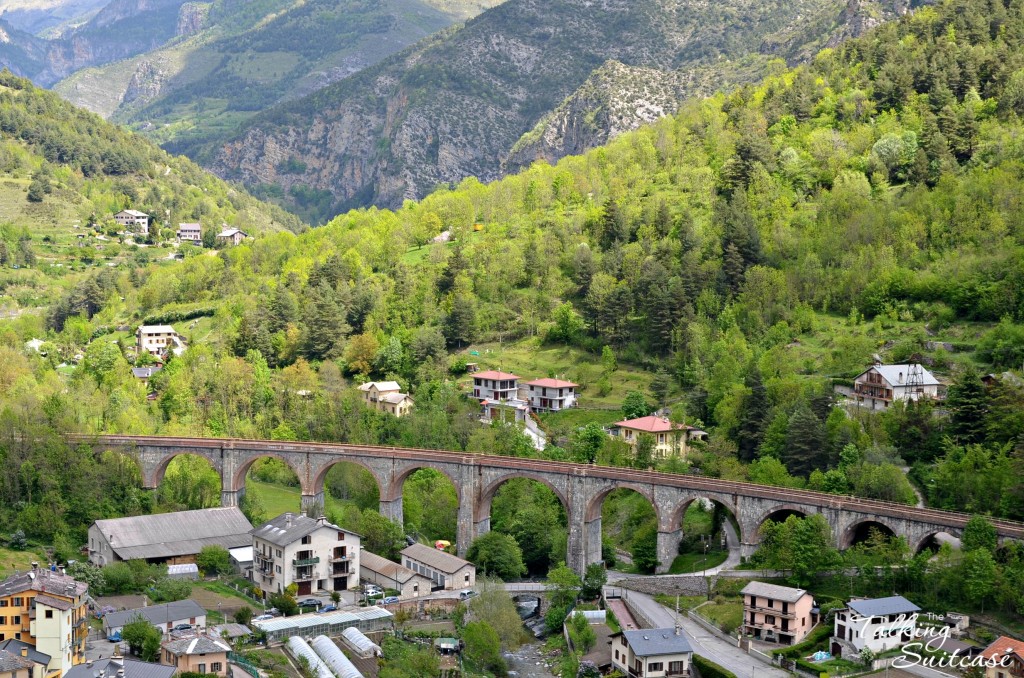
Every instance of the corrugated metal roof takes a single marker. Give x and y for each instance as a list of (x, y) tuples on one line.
[(386, 568), (435, 559), (898, 375), (198, 644), (242, 554), (165, 535), (132, 669)]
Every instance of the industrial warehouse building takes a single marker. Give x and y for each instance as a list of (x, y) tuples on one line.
[(172, 538)]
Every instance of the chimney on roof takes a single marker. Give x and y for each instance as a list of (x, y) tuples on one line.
[(287, 520), (24, 650), (900, 378), (35, 565)]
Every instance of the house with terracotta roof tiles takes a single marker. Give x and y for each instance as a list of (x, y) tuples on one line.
[(495, 386), (669, 439), (1005, 658), (551, 395)]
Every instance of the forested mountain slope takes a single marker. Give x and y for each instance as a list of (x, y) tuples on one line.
[(120, 29), (249, 56), (455, 104), (64, 172), (747, 251)]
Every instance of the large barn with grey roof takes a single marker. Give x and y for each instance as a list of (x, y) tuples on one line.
[(172, 538)]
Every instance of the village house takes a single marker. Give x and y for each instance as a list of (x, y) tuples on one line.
[(24, 651), (386, 396), (17, 666), (652, 653), (390, 575), (232, 236), (47, 610), (164, 617), (197, 653), (551, 395), (777, 614), (172, 538), (158, 340), (443, 569), (144, 374), (878, 624), (669, 439), (133, 221), (191, 232), (495, 386), (1005, 658), (880, 385), (311, 553)]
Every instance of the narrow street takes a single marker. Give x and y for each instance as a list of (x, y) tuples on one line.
[(705, 644)]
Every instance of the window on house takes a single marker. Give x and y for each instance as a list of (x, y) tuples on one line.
[(467, 577), (307, 539), (655, 666), (16, 619), (17, 636), (341, 536), (201, 668), (18, 602), (769, 619), (279, 569), (675, 667), (3, 620), (278, 553), (49, 614), (215, 667), (3, 603)]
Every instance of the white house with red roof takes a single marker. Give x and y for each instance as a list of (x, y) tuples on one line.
[(551, 395), (669, 439), (495, 386)]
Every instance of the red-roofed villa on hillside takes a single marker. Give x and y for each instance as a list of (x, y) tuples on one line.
[(551, 395), (494, 385), (669, 439)]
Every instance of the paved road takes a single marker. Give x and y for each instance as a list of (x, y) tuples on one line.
[(706, 645)]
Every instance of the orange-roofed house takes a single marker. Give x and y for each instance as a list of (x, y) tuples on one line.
[(1005, 658), (551, 395), (669, 439), (495, 386)]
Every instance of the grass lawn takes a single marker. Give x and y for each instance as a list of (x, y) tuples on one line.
[(727, 615), (17, 560), (694, 562), (685, 602)]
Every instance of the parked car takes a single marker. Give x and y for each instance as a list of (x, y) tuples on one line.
[(115, 637), (390, 599), (182, 627), (310, 602), (466, 593), (263, 617), (329, 608)]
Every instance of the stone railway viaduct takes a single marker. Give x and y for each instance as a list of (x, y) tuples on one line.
[(581, 489)]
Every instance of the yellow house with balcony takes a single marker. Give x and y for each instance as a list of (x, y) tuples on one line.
[(47, 610)]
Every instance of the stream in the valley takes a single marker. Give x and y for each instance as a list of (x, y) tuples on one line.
[(528, 662)]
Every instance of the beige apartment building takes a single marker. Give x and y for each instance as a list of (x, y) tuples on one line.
[(777, 614), (311, 553)]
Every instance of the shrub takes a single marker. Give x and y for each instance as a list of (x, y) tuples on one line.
[(709, 669)]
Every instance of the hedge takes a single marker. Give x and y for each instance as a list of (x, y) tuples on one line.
[(822, 632), (709, 669)]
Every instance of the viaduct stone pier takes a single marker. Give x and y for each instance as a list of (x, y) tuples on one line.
[(581, 489)]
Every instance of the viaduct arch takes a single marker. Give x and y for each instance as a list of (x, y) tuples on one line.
[(580, 487)]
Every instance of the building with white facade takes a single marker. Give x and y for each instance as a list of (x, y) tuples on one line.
[(173, 538), (879, 386), (157, 339), (386, 396), (652, 653), (777, 614), (495, 386), (551, 395), (391, 575), (232, 236), (311, 553), (444, 570), (133, 221), (878, 624)]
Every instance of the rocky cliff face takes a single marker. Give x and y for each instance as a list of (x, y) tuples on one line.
[(191, 17), (618, 98), (567, 73)]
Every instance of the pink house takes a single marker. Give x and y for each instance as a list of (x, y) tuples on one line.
[(551, 395), (777, 614), (493, 385)]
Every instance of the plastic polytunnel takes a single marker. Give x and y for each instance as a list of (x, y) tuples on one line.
[(335, 658), (300, 648), (360, 644)]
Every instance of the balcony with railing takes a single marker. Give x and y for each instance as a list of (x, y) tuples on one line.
[(304, 575), (303, 562)]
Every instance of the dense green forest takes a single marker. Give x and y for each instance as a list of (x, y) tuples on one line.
[(747, 254)]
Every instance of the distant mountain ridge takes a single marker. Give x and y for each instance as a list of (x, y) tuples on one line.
[(457, 104)]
